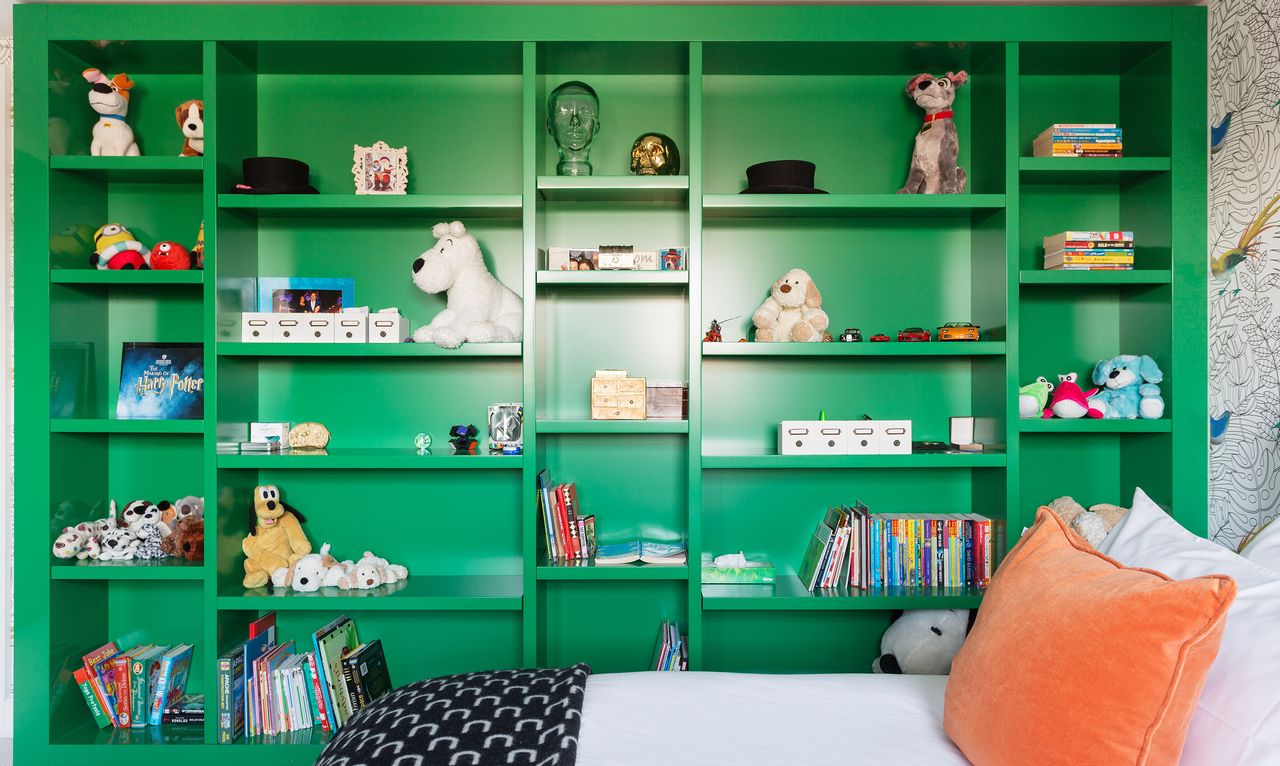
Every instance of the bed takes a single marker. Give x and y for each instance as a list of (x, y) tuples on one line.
[(738, 719)]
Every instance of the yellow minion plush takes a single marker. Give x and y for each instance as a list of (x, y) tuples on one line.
[(115, 248)]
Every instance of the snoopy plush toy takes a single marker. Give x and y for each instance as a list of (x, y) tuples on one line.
[(112, 136), (480, 309)]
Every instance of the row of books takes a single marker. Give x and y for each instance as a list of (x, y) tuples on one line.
[(859, 549), (671, 652), (1079, 139), (569, 534), (1089, 251), (136, 687), (271, 688)]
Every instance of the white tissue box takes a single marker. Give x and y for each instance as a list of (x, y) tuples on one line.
[(257, 327), (351, 328), (388, 328)]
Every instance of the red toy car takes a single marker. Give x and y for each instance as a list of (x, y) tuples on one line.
[(913, 334), (879, 338)]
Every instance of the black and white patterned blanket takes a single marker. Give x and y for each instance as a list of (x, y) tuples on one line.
[(475, 719)]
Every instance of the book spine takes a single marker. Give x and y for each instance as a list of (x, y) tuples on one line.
[(318, 692), (225, 734), (1078, 234), (562, 524), (91, 698), (1085, 244), (120, 669), (348, 678), (546, 523), (158, 697), (967, 527), (571, 515)]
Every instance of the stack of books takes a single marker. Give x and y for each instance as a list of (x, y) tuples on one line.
[(569, 534), (270, 688), (1089, 251), (1080, 139), (859, 549), (671, 652), (137, 687)]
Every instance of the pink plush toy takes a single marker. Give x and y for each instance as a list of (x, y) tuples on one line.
[(1069, 401)]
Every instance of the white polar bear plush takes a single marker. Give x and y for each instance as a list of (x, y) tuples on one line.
[(792, 312), (480, 309)]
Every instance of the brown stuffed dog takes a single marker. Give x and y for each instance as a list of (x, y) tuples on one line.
[(277, 540), (187, 540), (190, 116)]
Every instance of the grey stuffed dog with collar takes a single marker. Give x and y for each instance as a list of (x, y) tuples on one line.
[(933, 162)]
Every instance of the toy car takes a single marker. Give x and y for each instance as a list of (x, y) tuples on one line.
[(913, 334), (851, 335), (879, 338), (958, 331)]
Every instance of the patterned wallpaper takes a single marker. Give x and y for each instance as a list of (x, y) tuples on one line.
[(1244, 287)]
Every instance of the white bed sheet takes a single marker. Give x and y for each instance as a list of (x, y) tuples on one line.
[(744, 719)]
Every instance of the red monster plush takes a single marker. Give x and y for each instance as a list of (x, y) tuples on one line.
[(170, 256)]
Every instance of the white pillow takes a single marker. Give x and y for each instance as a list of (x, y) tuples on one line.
[(1265, 548), (1237, 719)]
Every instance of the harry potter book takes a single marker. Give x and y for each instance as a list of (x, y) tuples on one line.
[(161, 381)]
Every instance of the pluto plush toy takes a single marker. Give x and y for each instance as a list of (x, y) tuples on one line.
[(115, 248), (479, 308), (109, 97), (277, 540)]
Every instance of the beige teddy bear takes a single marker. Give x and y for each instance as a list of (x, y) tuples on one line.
[(1093, 524), (792, 312)]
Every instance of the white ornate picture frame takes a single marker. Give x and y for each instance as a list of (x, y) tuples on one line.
[(380, 169)]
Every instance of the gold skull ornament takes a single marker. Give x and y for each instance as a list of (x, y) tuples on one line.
[(654, 154)]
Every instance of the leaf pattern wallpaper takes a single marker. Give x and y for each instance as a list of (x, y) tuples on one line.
[(1244, 259)]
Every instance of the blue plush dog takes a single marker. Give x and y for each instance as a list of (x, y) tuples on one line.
[(1128, 388)]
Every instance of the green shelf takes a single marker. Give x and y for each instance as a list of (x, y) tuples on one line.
[(1088, 170), (140, 569), (613, 278), (614, 188), (442, 458), (1092, 426), (919, 460), (1137, 277), (131, 168), (588, 570), (418, 593), (865, 348), (789, 594), (233, 348), (846, 205), (654, 426), (116, 277), (116, 426), (120, 746), (376, 205)]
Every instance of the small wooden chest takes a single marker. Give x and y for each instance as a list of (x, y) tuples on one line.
[(617, 399)]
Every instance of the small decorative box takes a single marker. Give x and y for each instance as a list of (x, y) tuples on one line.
[(616, 398), (798, 437), (388, 328), (895, 437), (864, 437), (257, 327), (352, 328), (665, 399)]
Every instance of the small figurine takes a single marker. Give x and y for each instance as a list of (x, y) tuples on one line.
[(423, 442), (916, 334), (879, 338), (713, 334), (170, 256), (851, 335), (655, 154), (197, 252), (190, 116), (115, 248), (933, 161), (463, 438), (112, 136), (958, 331)]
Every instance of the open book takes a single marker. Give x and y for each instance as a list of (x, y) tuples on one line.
[(641, 550)]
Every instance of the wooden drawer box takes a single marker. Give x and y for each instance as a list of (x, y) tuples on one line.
[(617, 399)]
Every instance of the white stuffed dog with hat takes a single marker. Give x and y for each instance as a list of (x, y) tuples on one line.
[(480, 309)]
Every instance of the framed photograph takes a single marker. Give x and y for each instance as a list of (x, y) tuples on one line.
[(161, 381), (379, 169), (306, 295)]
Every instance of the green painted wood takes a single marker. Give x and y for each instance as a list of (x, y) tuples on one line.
[(733, 86), (789, 594), (589, 570), (154, 569)]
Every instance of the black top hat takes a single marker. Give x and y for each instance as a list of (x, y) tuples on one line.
[(275, 175), (781, 177)]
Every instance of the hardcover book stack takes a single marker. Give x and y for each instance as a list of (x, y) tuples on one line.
[(569, 534), (1080, 139), (269, 688), (855, 548), (1089, 251), (138, 687)]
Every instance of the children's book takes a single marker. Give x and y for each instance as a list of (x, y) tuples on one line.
[(161, 381), (264, 624), (144, 670), (231, 695), (330, 649), (100, 716), (641, 550), (369, 671), (121, 667), (253, 649), (172, 682), (316, 691), (810, 565), (188, 709)]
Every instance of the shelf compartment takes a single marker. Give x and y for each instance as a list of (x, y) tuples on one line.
[(1065, 170), (1093, 426), (865, 348), (118, 426), (149, 168), (653, 426), (377, 205), (614, 188), (419, 593), (789, 594), (232, 348), (86, 743), (1084, 278), (374, 457), (115, 277), (589, 570), (142, 569), (918, 460), (841, 205), (612, 278)]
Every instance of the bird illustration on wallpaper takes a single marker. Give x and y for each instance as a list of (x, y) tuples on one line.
[(1248, 244), (1218, 133)]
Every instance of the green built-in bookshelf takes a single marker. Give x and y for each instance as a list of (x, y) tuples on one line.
[(464, 88)]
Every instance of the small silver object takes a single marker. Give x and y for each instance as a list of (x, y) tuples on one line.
[(423, 443)]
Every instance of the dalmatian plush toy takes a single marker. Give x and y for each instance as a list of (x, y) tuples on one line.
[(933, 162), (480, 309), (118, 545)]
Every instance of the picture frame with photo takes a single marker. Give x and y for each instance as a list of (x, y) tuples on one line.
[(306, 295), (380, 169)]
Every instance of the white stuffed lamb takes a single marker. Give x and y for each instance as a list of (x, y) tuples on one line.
[(480, 309)]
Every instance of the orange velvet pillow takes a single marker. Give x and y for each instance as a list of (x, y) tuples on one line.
[(1076, 659)]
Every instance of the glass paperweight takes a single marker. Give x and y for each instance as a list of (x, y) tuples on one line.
[(573, 119), (423, 443)]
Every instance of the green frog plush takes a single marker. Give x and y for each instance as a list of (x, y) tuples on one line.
[(1033, 397)]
